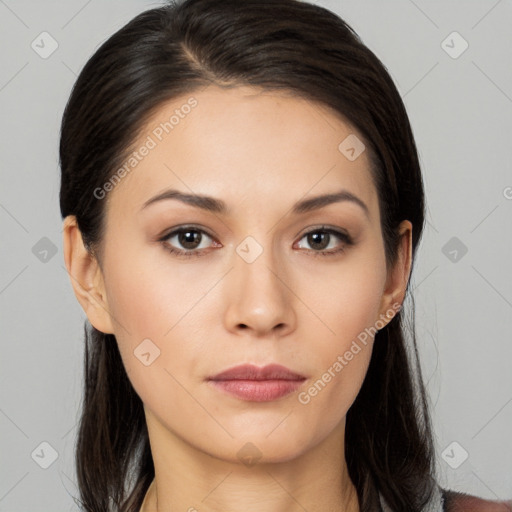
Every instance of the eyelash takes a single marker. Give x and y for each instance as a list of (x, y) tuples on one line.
[(346, 239)]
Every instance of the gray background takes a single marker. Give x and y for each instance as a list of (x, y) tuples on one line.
[(461, 112)]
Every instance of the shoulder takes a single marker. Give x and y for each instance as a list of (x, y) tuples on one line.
[(459, 502)]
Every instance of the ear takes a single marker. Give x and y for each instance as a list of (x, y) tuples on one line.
[(86, 277), (398, 276)]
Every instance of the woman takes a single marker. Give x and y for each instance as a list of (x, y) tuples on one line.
[(242, 204)]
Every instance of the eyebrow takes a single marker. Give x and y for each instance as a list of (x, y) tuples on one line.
[(211, 204)]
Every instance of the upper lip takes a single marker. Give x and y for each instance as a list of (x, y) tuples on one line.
[(252, 372)]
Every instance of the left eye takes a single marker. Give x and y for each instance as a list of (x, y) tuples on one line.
[(320, 240)]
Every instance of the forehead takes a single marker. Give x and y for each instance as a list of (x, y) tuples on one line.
[(245, 143)]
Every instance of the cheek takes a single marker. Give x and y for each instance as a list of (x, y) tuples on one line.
[(156, 348), (347, 302), (148, 294), (347, 296), (151, 299)]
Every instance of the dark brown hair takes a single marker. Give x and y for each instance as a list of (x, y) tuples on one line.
[(283, 45)]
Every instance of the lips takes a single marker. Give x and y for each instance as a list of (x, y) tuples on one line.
[(254, 384), (251, 372)]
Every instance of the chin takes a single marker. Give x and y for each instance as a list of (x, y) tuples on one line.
[(260, 448)]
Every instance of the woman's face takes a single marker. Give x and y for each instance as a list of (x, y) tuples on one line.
[(249, 284)]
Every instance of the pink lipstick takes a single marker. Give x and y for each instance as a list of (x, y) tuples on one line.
[(251, 383)]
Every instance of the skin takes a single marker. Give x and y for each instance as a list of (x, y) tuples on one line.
[(260, 152)]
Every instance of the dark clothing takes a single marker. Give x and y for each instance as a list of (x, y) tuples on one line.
[(445, 500)]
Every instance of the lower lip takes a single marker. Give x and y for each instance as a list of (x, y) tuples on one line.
[(257, 390)]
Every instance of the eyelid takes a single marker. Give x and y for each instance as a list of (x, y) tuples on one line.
[(183, 227), (324, 227)]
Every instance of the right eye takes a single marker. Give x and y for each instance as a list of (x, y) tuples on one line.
[(189, 238)]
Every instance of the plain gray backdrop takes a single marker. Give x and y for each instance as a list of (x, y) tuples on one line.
[(451, 62)]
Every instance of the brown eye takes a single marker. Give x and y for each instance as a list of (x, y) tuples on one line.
[(318, 240), (186, 241), (321, 239), (189, 239)]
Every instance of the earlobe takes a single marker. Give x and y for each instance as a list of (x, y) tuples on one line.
[(398, 276), (86, 277)]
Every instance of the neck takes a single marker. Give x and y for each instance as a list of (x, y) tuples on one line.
[(191, 480)]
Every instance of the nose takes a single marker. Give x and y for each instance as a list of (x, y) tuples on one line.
[(259, 300)]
